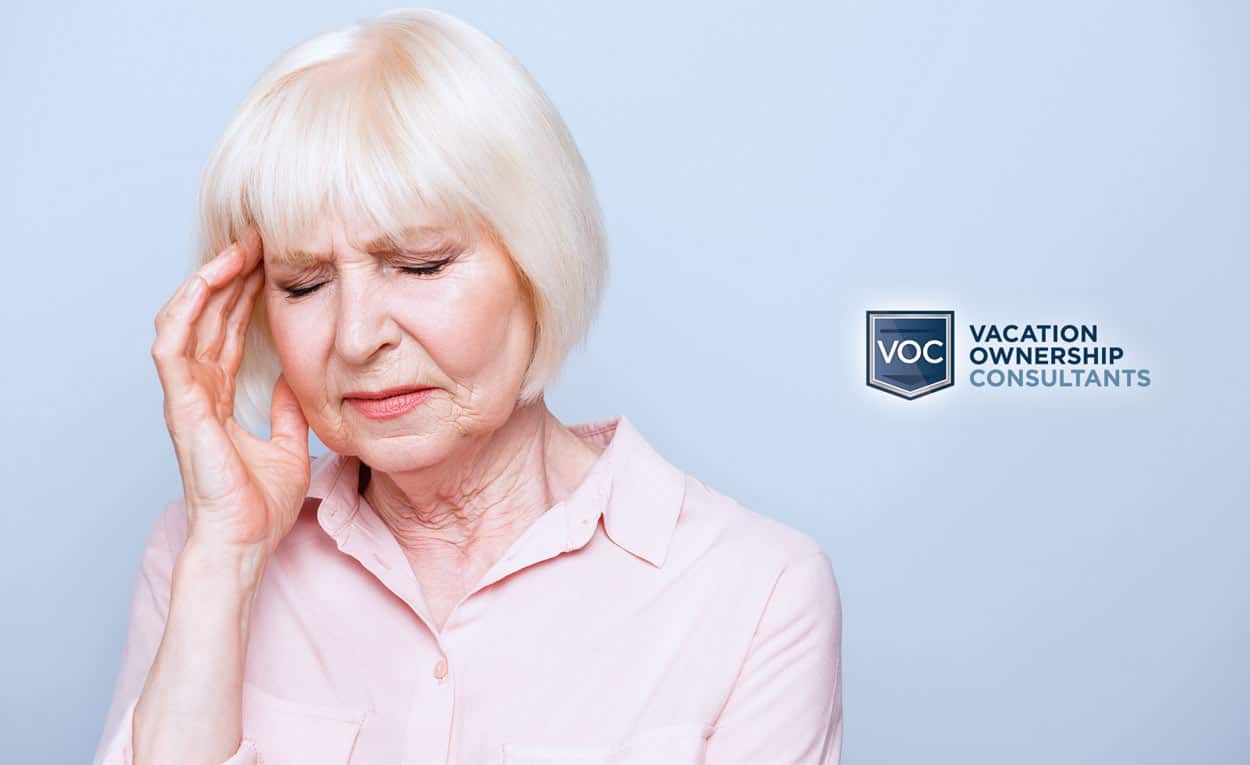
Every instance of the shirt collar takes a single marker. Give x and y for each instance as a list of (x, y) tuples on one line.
[(636, 490)]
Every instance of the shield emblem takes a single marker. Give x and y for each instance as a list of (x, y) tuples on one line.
[(911, 353)]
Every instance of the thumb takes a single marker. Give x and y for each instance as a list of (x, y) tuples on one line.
[(287, 424)]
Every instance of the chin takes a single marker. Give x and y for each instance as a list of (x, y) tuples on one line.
[(399, 452)]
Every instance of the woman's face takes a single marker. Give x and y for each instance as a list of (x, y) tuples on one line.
[(457, 321)]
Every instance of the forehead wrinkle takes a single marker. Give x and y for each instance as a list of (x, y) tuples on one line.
[(424, 235)]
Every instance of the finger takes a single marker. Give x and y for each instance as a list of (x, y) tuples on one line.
[(222, 268), (287, 424), (176, 320), (175, 299), (210, 273), (253, 247), (173, 334), (210, 329), (235, 334)]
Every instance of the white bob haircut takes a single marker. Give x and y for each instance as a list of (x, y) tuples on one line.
[(407, 118)]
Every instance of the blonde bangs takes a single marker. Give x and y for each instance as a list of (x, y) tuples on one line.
[(410, 118), (327, 143)]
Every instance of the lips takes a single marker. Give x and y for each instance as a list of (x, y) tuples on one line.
[(389, 403), (387, 393)]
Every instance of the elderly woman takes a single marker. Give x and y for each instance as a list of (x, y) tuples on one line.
[(414, 246)]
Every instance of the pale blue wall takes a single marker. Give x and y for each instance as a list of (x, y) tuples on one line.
[(1055, 576)]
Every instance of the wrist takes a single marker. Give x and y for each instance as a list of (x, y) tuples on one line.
[(215, 567)]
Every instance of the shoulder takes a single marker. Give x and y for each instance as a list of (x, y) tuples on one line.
[(774, 580), (748, 545)]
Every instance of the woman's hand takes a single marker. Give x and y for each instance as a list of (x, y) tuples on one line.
[(242, 493)]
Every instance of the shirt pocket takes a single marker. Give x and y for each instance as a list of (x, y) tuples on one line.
[(678, 744), (288, 732)]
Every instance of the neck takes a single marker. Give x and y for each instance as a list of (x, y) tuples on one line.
[(467, 510)]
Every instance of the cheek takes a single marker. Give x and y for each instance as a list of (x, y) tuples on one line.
[(466, 326), (294, 334)]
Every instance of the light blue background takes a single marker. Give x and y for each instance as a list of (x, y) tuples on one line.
[(1028, 576)]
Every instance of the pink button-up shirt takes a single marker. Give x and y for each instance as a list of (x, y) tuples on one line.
[(644, 619)]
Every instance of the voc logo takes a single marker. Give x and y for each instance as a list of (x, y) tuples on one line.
[(911, 353)]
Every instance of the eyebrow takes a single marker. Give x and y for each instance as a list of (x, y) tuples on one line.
[(433, 237)]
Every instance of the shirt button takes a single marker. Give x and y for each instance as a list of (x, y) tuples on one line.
[(440, 669)]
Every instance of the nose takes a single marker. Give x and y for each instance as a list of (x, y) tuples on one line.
[(365, 329)]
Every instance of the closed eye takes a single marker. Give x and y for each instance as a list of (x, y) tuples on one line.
[(299, 292), (428, 270), (425, 270)]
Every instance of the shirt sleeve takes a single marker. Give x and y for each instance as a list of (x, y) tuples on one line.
[(786, 706), (149, 608)]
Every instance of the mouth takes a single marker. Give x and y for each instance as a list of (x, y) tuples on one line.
[(390, 403)]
